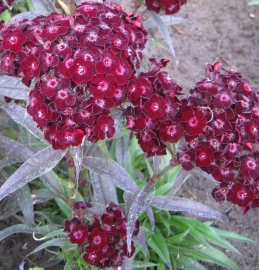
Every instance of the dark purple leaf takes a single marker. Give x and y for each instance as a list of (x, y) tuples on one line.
[(164, 31), (44, 6), (168, 20), (122, 150), (22, 228), (104, 189), (140, 204), (77, 154), (39, 164), (24, 199), (114, 171), (180, 178), (13, 87), (185, 205), (20, 116), (16, 152)]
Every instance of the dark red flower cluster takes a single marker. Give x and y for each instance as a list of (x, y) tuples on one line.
[(169, 6), (82, 64), (102, 240), (228, 146), (4, 4), (156, 115)]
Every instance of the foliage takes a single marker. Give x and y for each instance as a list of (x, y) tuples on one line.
[(95, 173)]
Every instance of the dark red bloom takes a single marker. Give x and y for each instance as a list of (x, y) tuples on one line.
[(97, 239), (81, 71), (69, 136), (30, 67), (241, 196), (155, 107), (13, 41), (78, 235), (203, 155), (194, 121), (7, 63), (104, 127)]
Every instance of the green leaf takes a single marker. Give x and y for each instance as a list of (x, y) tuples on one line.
[(181, 223), (11, 133), (53, 242), (208, 232), (215, 256), (188, 264), (233, 236), (160, 218), (6, 15), (139, 264), (253, 2), (177, 238), (157, 243), (64, 207), (22, 228)]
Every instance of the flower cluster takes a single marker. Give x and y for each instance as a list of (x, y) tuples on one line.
[(81, 64), (169, 6), (228, 146), (156, 115), (4, 4), (102, 241)]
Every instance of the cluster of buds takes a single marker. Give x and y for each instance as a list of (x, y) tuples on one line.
[(4, 4), (103, 239), (169, 6), (82, 64), (156, 115), (228, 146)]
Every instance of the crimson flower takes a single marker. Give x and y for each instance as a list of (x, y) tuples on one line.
[(155, 106), (194, 121), (241, 196), (13, 41)]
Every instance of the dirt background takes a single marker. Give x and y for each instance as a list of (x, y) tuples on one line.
[(222, 30)]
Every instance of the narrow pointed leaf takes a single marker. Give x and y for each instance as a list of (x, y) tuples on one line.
[(20, 116), (9, 207), (158, 244), (30, 15), (122, 150), (104, 189), (77, 154), (164, 31), (177, 238), (199, 172), (59, 242), (168, 20), (151, 218), (216, 256), (156, 162), (25, 202), (185, 205), (16, 152), (234, 236), (114, 171), (22, 228), (180, 178), (127, 263), (39, 164), (41, 195), (140, 239), (53, 183), (253, 2), (45, 6), (13, 87), (139, 205)]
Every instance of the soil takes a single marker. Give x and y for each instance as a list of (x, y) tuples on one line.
[(226, 31)]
